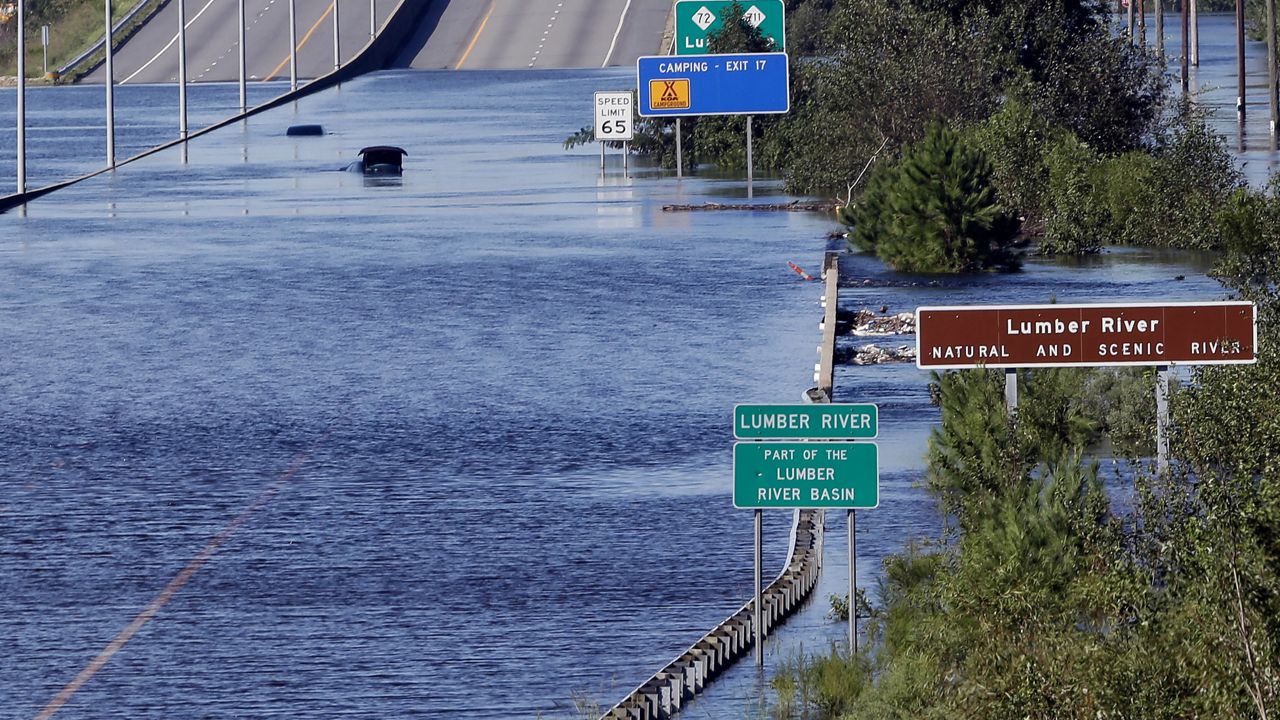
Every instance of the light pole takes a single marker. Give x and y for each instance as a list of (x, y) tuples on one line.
[(337, 56), (244, 94), (111, 92), (182, 69), (293, 47), (22, 99)]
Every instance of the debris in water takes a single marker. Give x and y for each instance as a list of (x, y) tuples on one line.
[(875, 354), (800, 271)]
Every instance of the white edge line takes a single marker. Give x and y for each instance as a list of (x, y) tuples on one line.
[(167, 46), (621, 19)]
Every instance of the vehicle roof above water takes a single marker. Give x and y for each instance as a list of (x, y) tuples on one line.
[(382, 149)]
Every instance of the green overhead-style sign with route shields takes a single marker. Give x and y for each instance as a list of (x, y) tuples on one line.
[(696, 20), (828, 421), (806, 475)]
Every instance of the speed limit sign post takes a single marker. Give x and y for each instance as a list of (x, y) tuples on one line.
[(614, 110)]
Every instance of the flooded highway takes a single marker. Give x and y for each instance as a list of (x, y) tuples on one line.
[(285, 441)]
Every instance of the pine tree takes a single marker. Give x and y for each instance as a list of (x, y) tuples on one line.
[(937, 211)]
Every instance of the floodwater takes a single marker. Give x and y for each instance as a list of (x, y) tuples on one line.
[(67, 128), (1215, 86), (280, 441)]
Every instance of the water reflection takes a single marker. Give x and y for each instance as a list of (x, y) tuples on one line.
[(382, 181)]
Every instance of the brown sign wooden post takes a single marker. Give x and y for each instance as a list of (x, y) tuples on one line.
[(1157, 334)]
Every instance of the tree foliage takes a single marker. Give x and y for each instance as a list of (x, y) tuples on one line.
[(1046, 601), (936, 211)]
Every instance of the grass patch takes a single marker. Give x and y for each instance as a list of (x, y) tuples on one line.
[(73, 26)]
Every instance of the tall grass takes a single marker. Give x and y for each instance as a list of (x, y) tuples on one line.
[(73, 26)]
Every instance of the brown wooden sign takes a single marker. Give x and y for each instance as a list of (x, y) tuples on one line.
[(998, 336)]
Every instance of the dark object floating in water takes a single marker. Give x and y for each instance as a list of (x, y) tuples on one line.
[(304, 130), (380, 160)]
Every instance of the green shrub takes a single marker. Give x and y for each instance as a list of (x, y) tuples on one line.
[(937, 211), (1016, 138)]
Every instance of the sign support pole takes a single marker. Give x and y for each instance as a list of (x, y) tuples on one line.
[(1162, 419), (759, 628), (680, 153), (601, 158), (626, 160), (853, 582), (1011, 391), (750, 193)]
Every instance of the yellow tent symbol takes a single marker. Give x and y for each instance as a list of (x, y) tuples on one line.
[(669, 94)]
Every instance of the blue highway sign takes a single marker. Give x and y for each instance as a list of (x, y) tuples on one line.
[(738, 84)]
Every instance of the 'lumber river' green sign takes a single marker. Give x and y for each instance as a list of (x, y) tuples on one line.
[(806, 422), (806, 475)]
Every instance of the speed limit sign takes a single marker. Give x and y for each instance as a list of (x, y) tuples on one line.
[(613, 116)]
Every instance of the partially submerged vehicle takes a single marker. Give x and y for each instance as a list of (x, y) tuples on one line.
[(380, 160)]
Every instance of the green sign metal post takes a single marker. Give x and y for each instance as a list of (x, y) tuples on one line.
[(698, 19), (806, 475), (806, 422)]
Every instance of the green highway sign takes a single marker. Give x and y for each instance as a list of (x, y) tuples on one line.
[(806, 475), (806, 422), (697, 19)]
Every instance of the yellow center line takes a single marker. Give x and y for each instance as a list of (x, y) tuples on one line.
[(304, 40), (170, 590), (474, 38)]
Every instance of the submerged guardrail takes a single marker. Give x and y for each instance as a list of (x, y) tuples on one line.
[(666, 691)]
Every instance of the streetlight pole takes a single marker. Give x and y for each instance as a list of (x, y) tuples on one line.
[(293, 47), (244, 93), (111, 92), (22, 96), (182, 69), (337, 56)]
